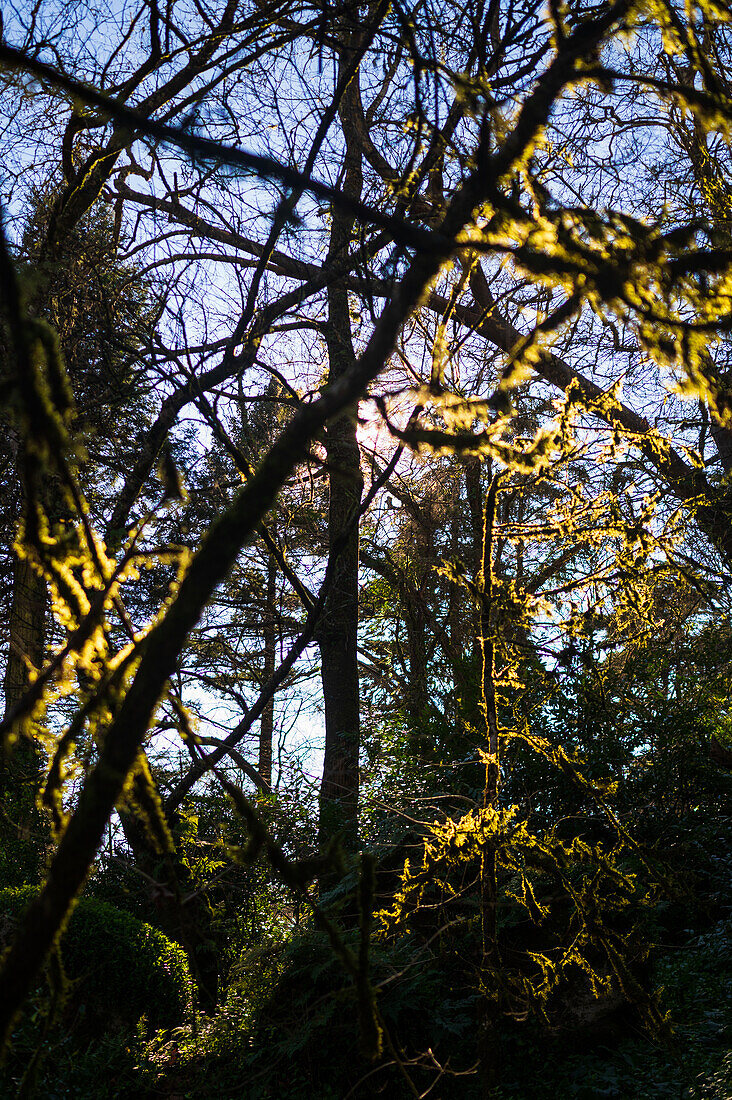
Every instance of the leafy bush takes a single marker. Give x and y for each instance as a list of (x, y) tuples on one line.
[(119, 968)]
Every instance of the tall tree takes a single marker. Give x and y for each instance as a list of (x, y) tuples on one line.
[(338, 629)]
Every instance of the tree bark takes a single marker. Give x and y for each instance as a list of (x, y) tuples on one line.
[(27, 630), (266, 723), (489, 1038), (23, 830), (338, 630), (474, 495)]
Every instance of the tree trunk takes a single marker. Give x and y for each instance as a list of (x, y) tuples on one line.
[(417, 696), (338, 639), (23, 829), (266, 724), (338, 630), (27, 630), (489, 1038), (473, 549)]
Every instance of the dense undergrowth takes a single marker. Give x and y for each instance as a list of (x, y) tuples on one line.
[(313, 1050), (288, 1027), (614, 927)]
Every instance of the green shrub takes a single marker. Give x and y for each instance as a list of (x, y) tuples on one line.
[(119, 969)]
